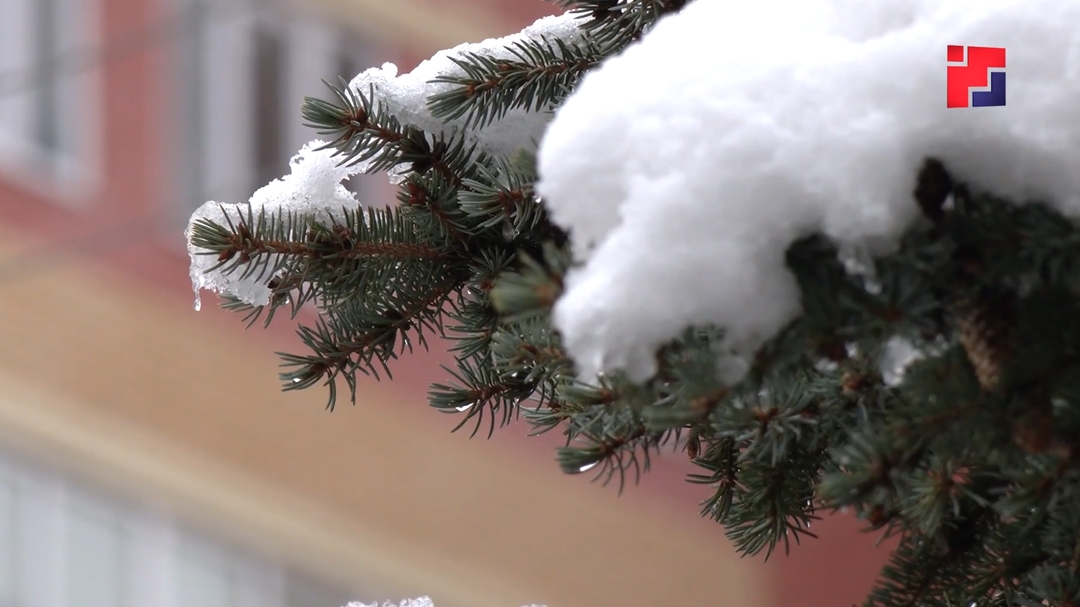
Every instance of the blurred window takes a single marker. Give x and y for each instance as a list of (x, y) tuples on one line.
[(245, 73), (49, 106), (64, 545)]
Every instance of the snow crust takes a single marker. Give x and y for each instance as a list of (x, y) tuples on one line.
[(314, 184), (684, 167)]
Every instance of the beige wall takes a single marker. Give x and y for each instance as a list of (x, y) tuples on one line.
[(139, 392)]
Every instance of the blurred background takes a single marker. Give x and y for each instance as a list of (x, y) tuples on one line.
[(147, 456)]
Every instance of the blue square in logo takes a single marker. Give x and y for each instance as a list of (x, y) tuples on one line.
[(995, 96)]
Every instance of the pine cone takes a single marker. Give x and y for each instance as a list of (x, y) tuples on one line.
[(985, 327), (1033, 429)]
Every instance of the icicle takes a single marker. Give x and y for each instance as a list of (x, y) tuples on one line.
[(588, 467)]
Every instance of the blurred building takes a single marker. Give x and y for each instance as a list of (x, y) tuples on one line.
[(147, 456)]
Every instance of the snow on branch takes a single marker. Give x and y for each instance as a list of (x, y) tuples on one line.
[(406, 95), (314, 187), (684, 167)]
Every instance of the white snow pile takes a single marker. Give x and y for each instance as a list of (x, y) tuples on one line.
[(420, 602), (684, 167), (314, 186)]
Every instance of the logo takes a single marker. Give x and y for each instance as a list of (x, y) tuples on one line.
[(983, 68)]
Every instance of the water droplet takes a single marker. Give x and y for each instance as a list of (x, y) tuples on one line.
[(588, 467), (198, 300), (296, 380), (466, 407)]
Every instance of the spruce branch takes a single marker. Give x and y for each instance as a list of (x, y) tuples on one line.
[(365, 132), (431, 202), (290, 291), (908, 578), (480, 392), (361, 131), (248, 244), (302, 258), (527, 347), (777, 505), (720, 460), (477, 319), (541, 73), (533, 290), (477, 322), (362, 337), (501, 199), (528, 350), (682, 410), (615, 23), (268, 243), (613, 447), (768, 426)]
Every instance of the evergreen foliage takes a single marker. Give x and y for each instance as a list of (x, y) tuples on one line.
[(971, 459)]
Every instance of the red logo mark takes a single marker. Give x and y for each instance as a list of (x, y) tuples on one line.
[(976, 74)]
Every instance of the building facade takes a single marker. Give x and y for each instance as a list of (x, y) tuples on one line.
[(147, 455)]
